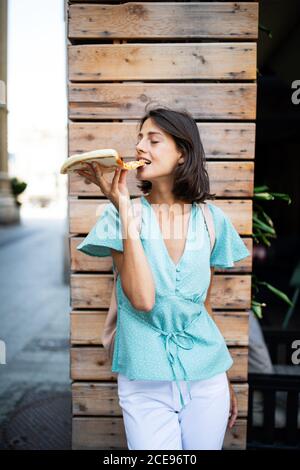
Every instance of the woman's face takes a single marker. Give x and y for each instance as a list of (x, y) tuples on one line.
[(159, 148)]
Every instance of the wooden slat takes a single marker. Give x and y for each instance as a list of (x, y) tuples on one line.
[(234, 326), (83, 214), (236, 438), (231, 140), (178, 61), (180, 20), (81, 262), (98, 433), (101, 399), (91, 363), (94, 291), (125, 1), (204, 101), (227, 179), (87, 327)]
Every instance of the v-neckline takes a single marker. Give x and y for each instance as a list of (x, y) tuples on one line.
[(175, 265)]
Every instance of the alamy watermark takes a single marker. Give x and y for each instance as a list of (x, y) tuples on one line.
[(2, 352), (175, 219), (296, 94), (296, 354)]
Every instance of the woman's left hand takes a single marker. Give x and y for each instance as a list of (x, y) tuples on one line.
[(233, 406)]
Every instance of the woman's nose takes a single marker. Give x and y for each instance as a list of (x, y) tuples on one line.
[(141, 146), (141, 149)]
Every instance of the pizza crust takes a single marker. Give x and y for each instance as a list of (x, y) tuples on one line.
[(108, 159)]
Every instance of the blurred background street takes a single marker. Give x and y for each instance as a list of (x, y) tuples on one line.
[(35, 394)]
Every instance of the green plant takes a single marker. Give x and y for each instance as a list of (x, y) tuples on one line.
[(268, 32), (17, 187), (265, 30), (263, 232)]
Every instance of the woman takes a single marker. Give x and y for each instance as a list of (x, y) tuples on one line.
[(169, 354)]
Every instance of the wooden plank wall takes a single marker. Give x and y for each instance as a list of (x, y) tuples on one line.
[(121, 55)]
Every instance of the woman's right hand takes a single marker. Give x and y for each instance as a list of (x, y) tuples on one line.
[(116, 191)]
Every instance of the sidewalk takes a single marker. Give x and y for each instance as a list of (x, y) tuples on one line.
[(35, 388)]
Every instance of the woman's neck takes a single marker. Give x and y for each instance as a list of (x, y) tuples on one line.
[(169, 201)]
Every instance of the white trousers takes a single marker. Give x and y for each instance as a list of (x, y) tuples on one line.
[(154, 419)]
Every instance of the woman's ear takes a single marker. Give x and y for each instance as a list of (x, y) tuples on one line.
[(181, 160)]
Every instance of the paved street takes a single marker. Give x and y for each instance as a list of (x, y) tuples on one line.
[(35, 401)]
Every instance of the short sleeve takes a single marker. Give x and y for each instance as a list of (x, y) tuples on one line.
[(104, 235), (229, 246)]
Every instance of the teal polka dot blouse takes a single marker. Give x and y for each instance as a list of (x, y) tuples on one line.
[(177, 339)]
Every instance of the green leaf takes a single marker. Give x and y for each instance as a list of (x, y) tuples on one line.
[(263, 196), (256, 308), (262, 225), (277, 292), (259, 189)]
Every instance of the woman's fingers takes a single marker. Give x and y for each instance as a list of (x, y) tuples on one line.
[(110, 189), (123, 174), (115, 180), (233, 411), (84, 171), (232, 420), (97, 168), (103, 183), (87, 175), (91, 167), (95, 176)]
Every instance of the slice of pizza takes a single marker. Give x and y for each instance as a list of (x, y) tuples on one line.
[(108, 159)]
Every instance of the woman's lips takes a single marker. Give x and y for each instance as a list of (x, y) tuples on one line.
[(146, 164)]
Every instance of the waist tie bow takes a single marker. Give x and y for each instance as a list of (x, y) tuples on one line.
[(173, 337), (171, 357)]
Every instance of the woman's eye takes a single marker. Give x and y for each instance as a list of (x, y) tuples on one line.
[(152, 142)]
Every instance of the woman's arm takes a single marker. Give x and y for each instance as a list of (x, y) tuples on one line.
[(132, 264)]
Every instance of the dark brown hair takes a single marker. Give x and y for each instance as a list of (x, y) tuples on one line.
[(191, 180)]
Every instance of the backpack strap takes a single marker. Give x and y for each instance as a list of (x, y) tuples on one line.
[(208, 219)]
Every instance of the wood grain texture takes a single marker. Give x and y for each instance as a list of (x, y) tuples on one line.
[(228, 179), (225, 140), (96, 433), (83, 213), (222, 101), (206, 61), (84, 263), (92, 364), (87, 327), (94, 291), (101, 399), (164, 20)]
